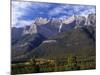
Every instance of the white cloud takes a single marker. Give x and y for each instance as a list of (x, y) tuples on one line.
[(56, 11), (18, 10), (65, 9), (84, 10), (41, 4), (63, 17), (88, 11), (23, 23)]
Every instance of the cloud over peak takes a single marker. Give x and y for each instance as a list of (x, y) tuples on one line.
[(23, 13)]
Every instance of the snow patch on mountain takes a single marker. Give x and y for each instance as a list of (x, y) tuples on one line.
[(49, 41)]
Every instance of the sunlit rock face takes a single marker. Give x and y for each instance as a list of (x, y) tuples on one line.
[(41, 21), (89, 20), (69, 20), (92, 19), (52, 26), (80, 21), (32, 29)]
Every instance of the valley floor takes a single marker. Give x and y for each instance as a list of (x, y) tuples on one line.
[(41, 65)]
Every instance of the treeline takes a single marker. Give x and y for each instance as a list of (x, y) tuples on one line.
[(62, 64)]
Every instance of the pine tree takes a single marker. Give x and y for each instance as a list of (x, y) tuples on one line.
[(72, 63)]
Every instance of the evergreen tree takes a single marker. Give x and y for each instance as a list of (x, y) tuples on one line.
[(72, 63), (34, 65)]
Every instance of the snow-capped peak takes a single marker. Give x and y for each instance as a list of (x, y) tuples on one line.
[(69, 20), (41, 21)]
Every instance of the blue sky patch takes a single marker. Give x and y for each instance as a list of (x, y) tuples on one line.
[(23, 13)]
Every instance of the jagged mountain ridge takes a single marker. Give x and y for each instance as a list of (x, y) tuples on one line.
[(44, 30), (57, 24), (75, 41)]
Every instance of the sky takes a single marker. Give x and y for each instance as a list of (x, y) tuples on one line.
[(24, 13)]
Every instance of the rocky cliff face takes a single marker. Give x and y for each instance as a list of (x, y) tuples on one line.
[(79, 31), (41, 21), (32, 29), (89, 20), (92, 19), (48, 27), (80, 21)]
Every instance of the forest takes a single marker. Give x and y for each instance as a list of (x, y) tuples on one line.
[(70, 63)]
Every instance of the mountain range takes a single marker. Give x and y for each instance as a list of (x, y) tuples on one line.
[(54, 37)]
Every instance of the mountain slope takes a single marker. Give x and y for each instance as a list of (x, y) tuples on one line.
[(16, 34), (56, 38), (75, 41)]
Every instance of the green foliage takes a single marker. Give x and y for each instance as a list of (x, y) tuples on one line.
[(74, 50), (71, 62), (75, 41)]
